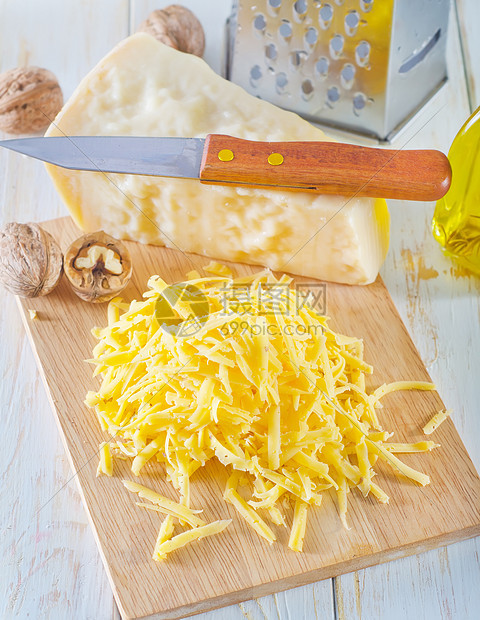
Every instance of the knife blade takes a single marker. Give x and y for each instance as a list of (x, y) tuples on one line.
[(320, 167)]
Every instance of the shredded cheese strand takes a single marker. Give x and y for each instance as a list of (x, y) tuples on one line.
[(164, 504), (435, 422), (180, 540), (297, 533)]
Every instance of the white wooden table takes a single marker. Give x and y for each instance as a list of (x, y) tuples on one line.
[(49, 566)]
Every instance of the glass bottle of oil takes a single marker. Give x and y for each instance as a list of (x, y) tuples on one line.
[(456, 221)]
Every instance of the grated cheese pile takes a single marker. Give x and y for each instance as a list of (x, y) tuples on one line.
[(260, 383)]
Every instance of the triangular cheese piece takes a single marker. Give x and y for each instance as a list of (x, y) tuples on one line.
[(144, 88)]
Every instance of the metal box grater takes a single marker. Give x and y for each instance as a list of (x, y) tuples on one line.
[(365, 66)]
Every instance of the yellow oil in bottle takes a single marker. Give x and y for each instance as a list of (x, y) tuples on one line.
[(456, 221)]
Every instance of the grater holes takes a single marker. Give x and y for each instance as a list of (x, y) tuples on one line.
[(255, 75), (336, 46), (285, 29), (347, 76), (362, 54), (300, 9), (297, 58), (273, 7), (281, 82), (325, 16), (352, 19), (333, 95), (311, 37), (321, 67), (339, 2), (359, 102), (271, 52), (366, 5), (307, 89), (259, 24)]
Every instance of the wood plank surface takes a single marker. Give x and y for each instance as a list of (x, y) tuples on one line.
[(52, 568), (50, 564), (469, 21), (440, 305), (237, 565)]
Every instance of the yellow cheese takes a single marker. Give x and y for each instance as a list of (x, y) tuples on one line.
[(299, 526), (143, 88), (396, 386), (435, 422), (282, 409), (164, 504), (420, 446), (218, 269), (180, 540), (164, 534), (249, 514), (105, 465)]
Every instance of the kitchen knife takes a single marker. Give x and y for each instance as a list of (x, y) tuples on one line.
[(321, 167)]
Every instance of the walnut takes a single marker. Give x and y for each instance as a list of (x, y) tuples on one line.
[(30, 260), (30, 98), (177, 27), (98, 267)]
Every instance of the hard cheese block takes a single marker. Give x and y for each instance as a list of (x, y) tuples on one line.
[(144, 88)]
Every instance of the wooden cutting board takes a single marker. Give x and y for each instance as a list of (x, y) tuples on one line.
[(238, 565)]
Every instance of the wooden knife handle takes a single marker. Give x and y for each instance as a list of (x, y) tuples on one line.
[(326, 168)]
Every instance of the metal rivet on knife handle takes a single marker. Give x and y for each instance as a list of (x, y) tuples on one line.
[(225, 155), (275, 159)]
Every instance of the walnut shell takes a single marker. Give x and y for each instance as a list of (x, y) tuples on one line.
[(31, 260), (95, 280), (177, 27), (30, 98)]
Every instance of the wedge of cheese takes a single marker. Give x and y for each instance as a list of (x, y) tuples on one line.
[(143, 88)]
